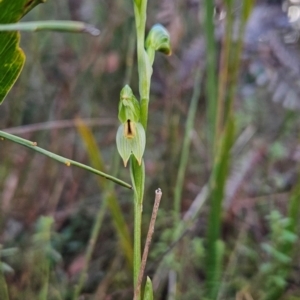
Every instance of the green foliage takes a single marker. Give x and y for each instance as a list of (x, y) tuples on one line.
[(12, 57), (239, 257), (218, 181), (274, 270)]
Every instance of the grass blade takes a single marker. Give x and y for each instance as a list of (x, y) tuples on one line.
[(66, 161)]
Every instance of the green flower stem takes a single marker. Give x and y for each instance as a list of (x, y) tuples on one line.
[(138, 181), (66, 161), (137, 240), (140, 8), (70, 26), (144, 112), (138, 172)]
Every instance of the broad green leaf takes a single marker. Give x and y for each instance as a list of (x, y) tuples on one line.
[(12, 57)]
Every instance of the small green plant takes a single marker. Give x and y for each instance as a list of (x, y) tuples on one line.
[(133, 115), (274, 270)]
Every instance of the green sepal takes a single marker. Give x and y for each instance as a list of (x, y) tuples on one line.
[(148, 294), (158, 39), (131, 139), (129, 107)]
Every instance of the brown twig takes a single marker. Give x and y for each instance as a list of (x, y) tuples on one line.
[(158, 195)]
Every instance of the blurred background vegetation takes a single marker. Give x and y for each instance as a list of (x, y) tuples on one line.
[(48, 210)]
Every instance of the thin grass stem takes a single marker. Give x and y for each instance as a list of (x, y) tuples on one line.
[(186, 143), (66, 26), (212, 83), (68, 162)]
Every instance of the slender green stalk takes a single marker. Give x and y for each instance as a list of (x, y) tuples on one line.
[(217, 186), (224, 71), (223, 141), (67, 162), (137, 241), (140, 8), (211, 86), (157, 40), (186, 143), (138, 180), (235, 56), (138, 172), (70, 26)]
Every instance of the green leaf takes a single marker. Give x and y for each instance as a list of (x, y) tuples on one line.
[(68, 162), (277, 255), (64, 26), (217, 186), (278, 281), (148, 295), (12, 57)]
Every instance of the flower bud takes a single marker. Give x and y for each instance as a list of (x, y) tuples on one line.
[(159, 39)]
